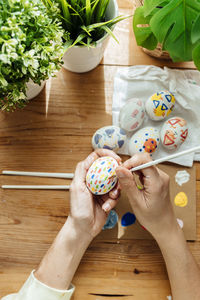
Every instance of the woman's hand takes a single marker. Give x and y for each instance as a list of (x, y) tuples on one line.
[(151, 205), (88, 212)]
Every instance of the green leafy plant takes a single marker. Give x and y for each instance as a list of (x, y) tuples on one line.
[(173, 23), (85, 20), (31, 47)]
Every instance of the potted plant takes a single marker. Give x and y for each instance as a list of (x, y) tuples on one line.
[(31, 49), (89, 24), (171, 24)]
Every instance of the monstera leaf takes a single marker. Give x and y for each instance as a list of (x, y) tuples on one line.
[(173, 23)]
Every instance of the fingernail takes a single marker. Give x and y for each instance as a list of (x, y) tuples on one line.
[(120, 174), (114, 193), (106, 207)]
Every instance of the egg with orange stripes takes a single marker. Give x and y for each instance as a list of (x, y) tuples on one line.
[(101, 177)]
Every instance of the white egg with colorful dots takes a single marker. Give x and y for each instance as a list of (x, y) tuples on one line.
[(109, 137), (174, 132), (101, 177), (132, 114), (160, 105), (145, 140)]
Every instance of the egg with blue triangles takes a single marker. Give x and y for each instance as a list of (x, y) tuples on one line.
[(109, 137), (160, 105)]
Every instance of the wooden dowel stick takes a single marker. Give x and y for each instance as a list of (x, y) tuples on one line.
[(40, 174), (166, 158), (37, 187)]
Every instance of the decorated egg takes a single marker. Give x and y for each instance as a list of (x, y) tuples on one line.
[(174, 132), (109, 137), (101, 177), (145, 140), (160, 105), (132, 114)]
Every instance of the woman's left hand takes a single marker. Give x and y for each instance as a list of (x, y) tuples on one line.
[(89, 212)]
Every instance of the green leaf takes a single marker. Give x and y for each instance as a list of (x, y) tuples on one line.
[(175, 20), (102, 6), (88, 12), (144, 35), (150, 6), (196, 56), (107, 29), (195, 34), (78, 40), (173, 23), (65, 10), (86, 30)]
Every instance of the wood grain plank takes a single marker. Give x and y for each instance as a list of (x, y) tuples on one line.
[(52, 134)]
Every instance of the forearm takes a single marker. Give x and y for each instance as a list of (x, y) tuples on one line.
[(59, 265), (183, 271)]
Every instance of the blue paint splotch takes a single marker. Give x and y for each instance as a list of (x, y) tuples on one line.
[(128, 219), (111, 220)]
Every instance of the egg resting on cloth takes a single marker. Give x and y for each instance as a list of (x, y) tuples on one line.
[(109, 137), (145, 140), (101, 177), (132, 114), (174, 132), (160, 105)]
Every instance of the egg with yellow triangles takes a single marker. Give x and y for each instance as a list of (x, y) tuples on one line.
[(160, 105)]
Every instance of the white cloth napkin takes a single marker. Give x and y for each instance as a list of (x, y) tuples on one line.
[(143, 81)]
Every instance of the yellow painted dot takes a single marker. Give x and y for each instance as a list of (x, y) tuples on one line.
[(139, 187), (181, 199)]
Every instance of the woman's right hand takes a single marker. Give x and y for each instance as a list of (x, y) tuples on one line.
[(151, 205)]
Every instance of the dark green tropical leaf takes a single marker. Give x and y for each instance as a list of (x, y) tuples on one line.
[(195, 35), (173, 23), (143, 33), (176, 27), (196, 56)]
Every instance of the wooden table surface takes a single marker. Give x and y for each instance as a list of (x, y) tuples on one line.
[(52, 134)]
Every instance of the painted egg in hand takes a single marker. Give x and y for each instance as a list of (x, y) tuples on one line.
[(132, 114), (160, 105), (101, 177), (145, 140), (109, 137), (174, 132)]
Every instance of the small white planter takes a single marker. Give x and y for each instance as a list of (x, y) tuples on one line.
[(80, 59), (33, 89)]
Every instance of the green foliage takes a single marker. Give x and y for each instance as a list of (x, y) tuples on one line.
[(85, 20), (30, 48), (173, 23)]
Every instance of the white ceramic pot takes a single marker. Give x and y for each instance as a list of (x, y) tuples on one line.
[(34, 89), (81, 59)]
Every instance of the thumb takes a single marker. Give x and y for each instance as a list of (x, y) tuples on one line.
[(127, 183)]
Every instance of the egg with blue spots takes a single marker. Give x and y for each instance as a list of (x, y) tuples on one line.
[(109, 137), (145, 140), (101, 177)]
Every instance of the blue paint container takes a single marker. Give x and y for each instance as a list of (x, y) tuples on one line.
[(111, 220)]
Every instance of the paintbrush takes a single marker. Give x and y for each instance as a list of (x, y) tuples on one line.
[(71, 175), (163, 159)]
